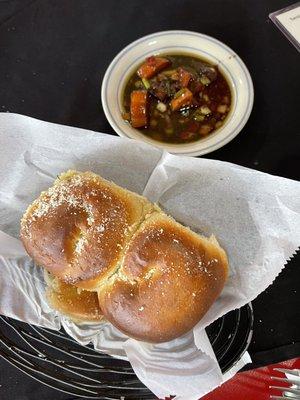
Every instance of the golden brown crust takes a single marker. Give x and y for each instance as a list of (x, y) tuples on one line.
[(77, 304), (78, 228), (169, 278), (155, 278)]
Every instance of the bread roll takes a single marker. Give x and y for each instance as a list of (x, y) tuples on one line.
[(168, 279), (80, 305), (79, 228), (155, 279)]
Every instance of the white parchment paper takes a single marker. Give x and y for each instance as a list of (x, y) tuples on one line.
[(254, 216)]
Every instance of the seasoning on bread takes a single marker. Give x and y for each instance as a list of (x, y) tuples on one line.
[(155, 278)]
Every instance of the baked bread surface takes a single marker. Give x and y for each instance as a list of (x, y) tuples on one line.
[(155, 279), (81, 306), (78, 228), (169, 278)]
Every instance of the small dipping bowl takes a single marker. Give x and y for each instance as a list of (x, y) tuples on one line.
[(194, 44)]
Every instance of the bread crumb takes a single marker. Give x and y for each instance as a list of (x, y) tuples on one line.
[(90, 220), (80, 244), (100, 228)]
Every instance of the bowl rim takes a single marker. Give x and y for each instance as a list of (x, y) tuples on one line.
[(194, 149)]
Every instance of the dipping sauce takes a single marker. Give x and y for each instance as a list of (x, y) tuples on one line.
[(176, 98)]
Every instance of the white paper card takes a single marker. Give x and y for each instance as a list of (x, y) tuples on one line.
[(288, 21)]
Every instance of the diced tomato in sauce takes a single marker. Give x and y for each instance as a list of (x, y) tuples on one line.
[(152, 66), (184, 77), (184, 98), (139, 108)]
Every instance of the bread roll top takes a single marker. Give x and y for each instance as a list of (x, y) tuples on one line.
[(78, 228), (155, 278), (168, 279)]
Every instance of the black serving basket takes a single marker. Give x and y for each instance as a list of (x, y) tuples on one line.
[(56, 360)]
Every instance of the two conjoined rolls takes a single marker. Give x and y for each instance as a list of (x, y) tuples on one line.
[(111, 252)]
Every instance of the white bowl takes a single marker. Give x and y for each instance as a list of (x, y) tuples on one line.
[(179, 42)]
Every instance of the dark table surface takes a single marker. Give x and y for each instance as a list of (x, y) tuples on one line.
[(53, 55)]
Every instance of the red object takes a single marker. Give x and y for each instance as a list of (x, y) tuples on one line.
[(184, 98), (254, 384), (138, 108), (152, 66), (184, 77)]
